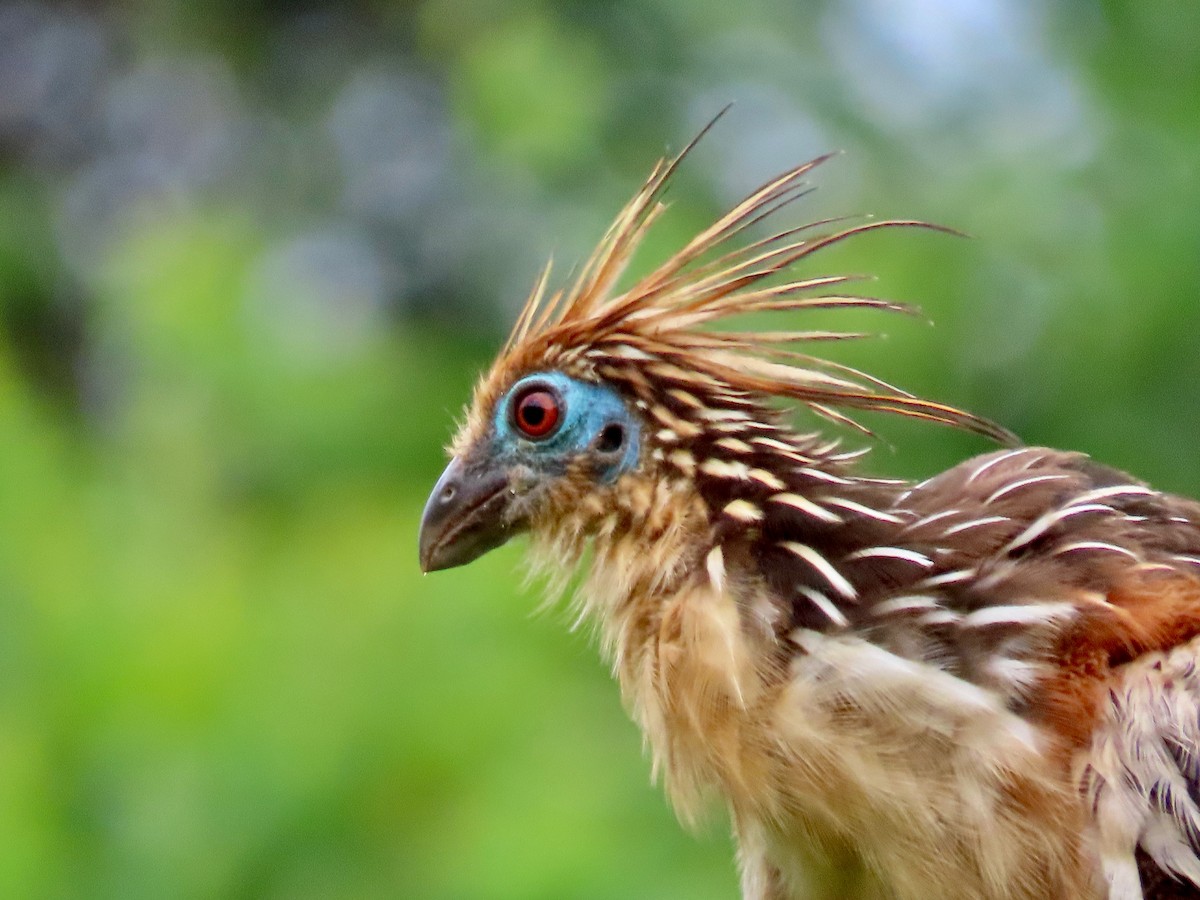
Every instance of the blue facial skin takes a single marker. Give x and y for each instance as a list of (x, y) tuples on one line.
[(585, 410)]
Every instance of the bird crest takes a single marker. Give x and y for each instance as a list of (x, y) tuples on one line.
[(658, 335)]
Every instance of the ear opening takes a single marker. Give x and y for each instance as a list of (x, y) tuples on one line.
[(611, 438)]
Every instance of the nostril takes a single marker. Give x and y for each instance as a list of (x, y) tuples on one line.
[(448, 493)]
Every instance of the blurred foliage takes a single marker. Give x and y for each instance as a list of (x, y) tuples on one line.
[(251, 256)]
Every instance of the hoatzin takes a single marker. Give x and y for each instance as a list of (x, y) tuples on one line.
[(983, 685)]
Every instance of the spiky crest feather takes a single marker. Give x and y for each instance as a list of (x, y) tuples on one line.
[(590, 327)]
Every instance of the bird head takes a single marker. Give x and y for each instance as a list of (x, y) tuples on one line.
[(550, 438), (602, 395)]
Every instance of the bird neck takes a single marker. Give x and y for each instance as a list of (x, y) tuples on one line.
[(772, 530)]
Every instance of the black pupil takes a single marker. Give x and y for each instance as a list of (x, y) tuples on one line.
[(534, 411)]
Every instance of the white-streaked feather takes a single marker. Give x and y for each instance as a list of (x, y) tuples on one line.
[(1132, 776)]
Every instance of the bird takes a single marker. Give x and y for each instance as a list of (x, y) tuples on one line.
[(983, 685)]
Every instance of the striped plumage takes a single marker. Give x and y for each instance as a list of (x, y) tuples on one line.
[(980, 686)]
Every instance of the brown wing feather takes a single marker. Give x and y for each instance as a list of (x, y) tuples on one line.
[(1159, 885)]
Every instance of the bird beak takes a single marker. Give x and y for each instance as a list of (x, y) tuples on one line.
[(464, 516)]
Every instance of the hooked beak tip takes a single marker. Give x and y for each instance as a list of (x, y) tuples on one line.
[(464, 517)]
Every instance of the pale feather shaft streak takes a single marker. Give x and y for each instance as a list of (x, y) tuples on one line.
[(785, 449), (823, 567), (743, 511), (1051, 519), (683, 460), (1101, 546), (975, 523), (767, 479), (932, 517), (1025, 615), (907, 603), (737, 427), (996, 460), (954, 577), (825, 605), (714, 564), (863, 510), (820, 475), (735, 445), (808, 507), (900, 553), (719, 468), (1022, 483), (1105, 493)]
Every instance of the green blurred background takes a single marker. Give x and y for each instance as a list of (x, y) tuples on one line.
[(252, 256)]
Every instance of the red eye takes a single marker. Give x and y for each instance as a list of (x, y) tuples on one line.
[(536, 412)]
